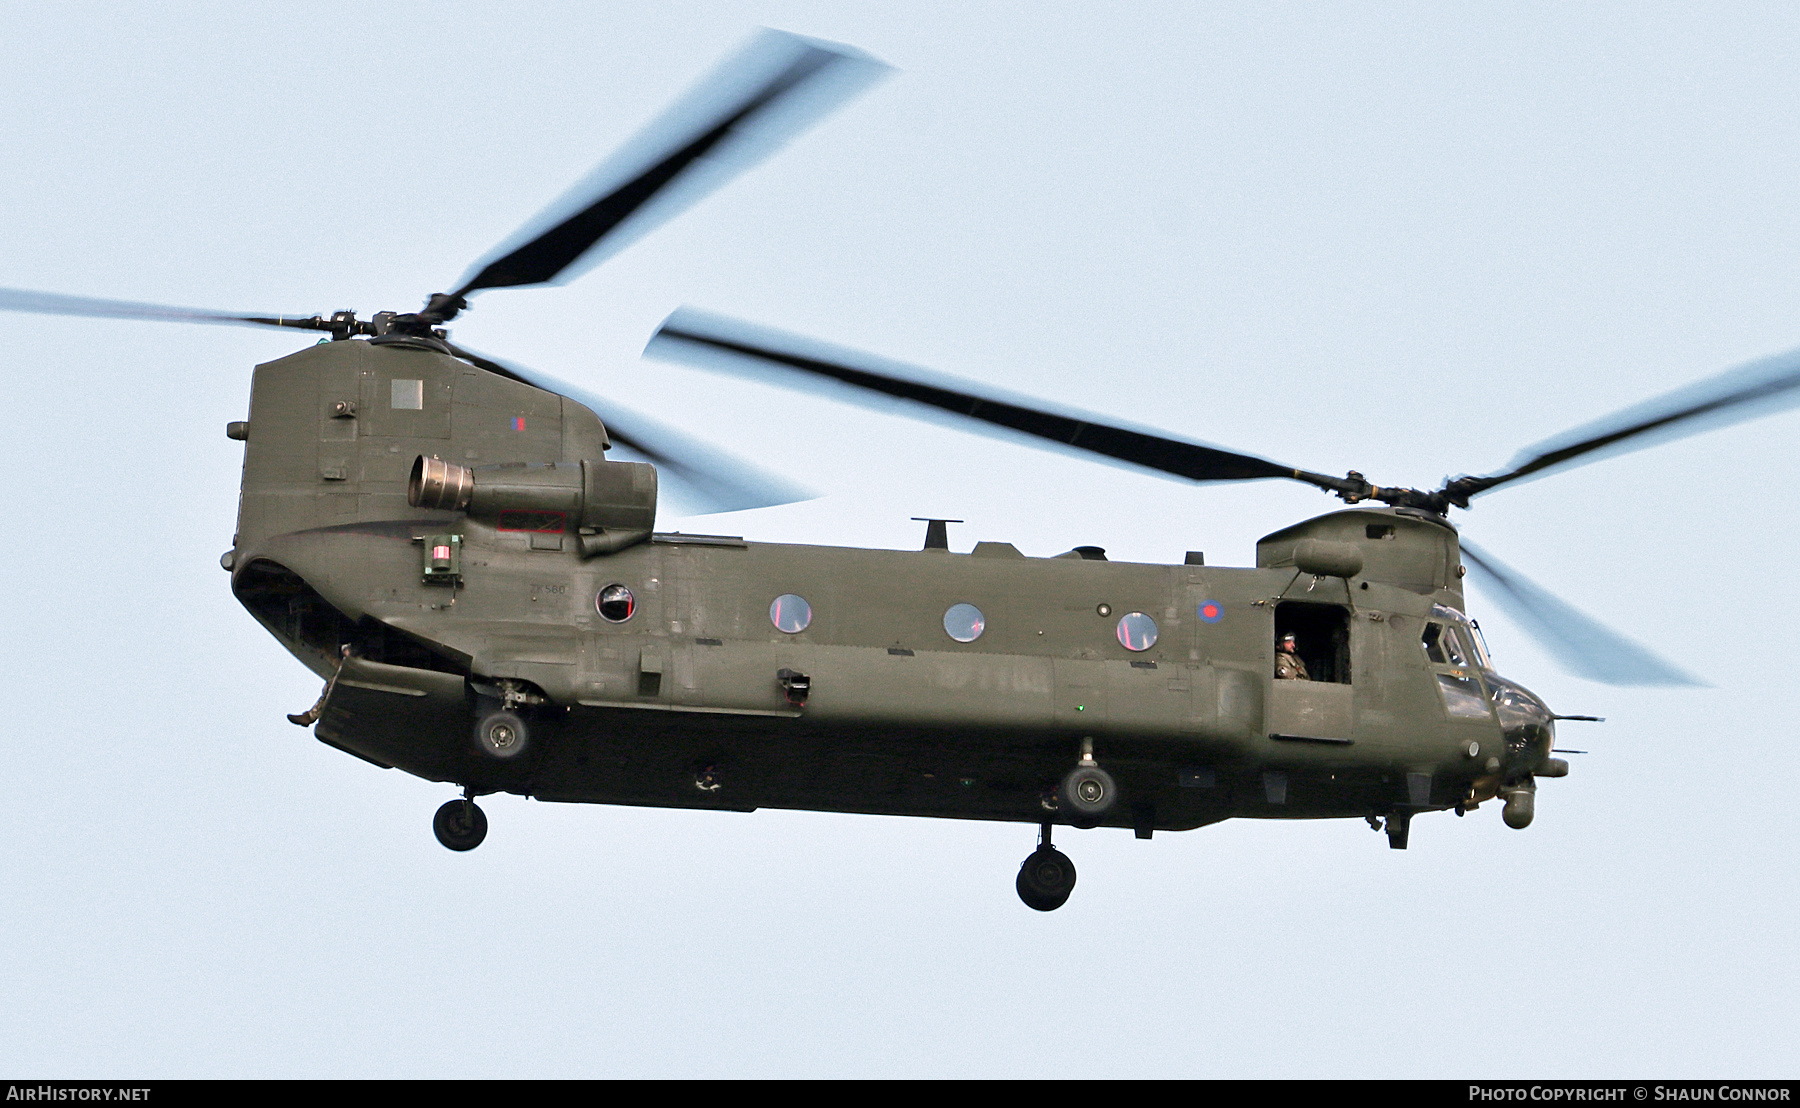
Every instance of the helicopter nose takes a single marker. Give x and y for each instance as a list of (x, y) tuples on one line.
[(1527, 725), (1528, 730)]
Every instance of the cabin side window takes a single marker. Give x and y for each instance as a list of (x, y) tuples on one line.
[(1320, 642)]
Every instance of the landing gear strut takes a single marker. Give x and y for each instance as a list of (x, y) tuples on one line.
[(1047, 877), (460, 825), (500, 730)]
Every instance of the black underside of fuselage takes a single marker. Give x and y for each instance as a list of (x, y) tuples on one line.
[(422, 722)]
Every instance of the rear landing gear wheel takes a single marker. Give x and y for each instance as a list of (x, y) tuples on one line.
[(501, 735), (1088, 792), (460, 825)]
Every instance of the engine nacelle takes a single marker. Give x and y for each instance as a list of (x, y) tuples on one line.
[(609, 505)]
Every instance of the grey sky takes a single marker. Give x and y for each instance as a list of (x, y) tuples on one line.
[(1405, 239)]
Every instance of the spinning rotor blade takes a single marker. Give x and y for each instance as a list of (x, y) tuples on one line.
[(730, 346), (1581, 644), (50, 303), (716, 481), (1747, 392), (739, 115), (736, 117)]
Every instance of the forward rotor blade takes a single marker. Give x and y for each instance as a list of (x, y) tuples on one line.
[(1580, 643), (1757, 389), (714, 480), (740, 114), (730, 346), (50, 303)]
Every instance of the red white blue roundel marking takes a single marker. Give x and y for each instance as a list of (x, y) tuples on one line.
[(1211, 611)]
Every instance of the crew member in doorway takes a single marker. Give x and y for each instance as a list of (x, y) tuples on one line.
[(1288, 666)]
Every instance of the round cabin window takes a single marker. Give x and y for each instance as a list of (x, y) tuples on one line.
[(1137, 631), (790, 613), (615, 603), (964, 622)]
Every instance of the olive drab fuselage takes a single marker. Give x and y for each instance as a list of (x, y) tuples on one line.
[(682, 690)]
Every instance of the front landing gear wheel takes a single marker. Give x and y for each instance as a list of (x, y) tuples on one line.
[(1046, 879), (460, 825), (501, 735)]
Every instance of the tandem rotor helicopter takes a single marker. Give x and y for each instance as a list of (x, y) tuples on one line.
[(440, 536)]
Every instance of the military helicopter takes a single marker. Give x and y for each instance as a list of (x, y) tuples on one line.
[(440, 536)]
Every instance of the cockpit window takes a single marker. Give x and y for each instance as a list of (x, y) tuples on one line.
[(1457, 645), (1481, 647), (1453, 645), (1433, 642), (1462, 695), (1525, 720), (1514, 703)]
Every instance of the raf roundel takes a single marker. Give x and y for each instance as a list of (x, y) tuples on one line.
[(1211, 611)]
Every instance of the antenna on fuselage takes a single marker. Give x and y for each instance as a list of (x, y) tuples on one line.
[(937, 532)]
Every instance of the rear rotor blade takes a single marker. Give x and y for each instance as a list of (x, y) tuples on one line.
[(737, 116), (1756, 389), (714, 480), (50, 303), (730, 346), (1580, 643)]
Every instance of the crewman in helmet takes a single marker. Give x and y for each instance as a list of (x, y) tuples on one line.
[(1288, 666)]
